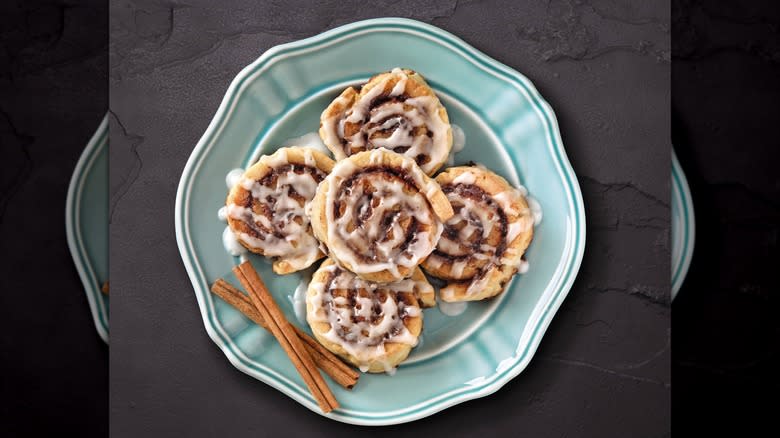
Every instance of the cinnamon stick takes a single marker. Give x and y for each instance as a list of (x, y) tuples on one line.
[(286, 336), (328, 362)]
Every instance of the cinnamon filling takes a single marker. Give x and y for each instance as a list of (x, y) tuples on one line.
[(267, 215), (466, 238), (360, 311), (376, 214), (399, 114)]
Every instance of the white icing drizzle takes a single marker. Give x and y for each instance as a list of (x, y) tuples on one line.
[(523, 267), (465, 178), (298, 297), (284, 230), (536, 209), (533, 204), (478, 216), (363, 316), (458, 139), (398, 116), (229, 240), (452, 309), (231, 244), (458, 143), (310, 140), (369, 235), (233, 177)]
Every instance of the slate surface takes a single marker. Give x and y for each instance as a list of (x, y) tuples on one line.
[(603, 368), (726, 349), (53, 95)]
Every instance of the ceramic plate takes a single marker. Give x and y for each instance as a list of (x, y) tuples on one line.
[(508, 127), (86, 223), (683, 226)]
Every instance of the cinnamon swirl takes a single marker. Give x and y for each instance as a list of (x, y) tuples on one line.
[(396, 111), (265, 209), (482, 245), (373, 326), (379, 215)]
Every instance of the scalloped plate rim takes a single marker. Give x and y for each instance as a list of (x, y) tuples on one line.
[(574, 205), (680, 186), (76, 246)]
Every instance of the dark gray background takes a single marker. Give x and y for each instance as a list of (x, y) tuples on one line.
[(53, 95), (603, 368), (725, 88)]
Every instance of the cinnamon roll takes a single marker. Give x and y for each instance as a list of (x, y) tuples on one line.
[(482, 244), (396, 111), (265, 209), (379, 215), (373, 326)]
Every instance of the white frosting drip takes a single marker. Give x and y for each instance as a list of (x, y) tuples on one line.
[(231, 244), (452, 309), (533, 204), (311, 140), (401, 118), (377, 244), (363, 328), (298, 297), (233, 177), (523, 267), (458, 143), (285, 232), (458, 139), (536, 209), (465, 178)]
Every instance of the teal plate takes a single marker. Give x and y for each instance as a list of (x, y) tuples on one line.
[(508, 127), (683, 226), (86, 223)]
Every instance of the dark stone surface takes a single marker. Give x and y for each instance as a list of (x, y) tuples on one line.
[(725, 117), (602, 368), (53, 95)]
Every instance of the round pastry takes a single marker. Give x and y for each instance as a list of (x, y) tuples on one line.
[(396, 111), (379, 215), (482, 245), (265, 209), (373, 326)]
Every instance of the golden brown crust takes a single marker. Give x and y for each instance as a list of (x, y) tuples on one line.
[(437, 198), (394, 352), (415, 87), (295, 155), (239, 195), (473, 278), (426, 186), (345, 100)]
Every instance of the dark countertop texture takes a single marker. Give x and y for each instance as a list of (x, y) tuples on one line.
[(53, 95), (602, 369), (725, 88)]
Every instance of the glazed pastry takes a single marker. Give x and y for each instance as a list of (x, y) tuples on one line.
[(396, 111), (379, 215), (373, 326), (265, 209), (482, 245)]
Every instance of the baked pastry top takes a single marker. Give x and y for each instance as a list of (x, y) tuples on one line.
[(265, 209), (482, 244), (373, 326), (397, 111), (379, 215)]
